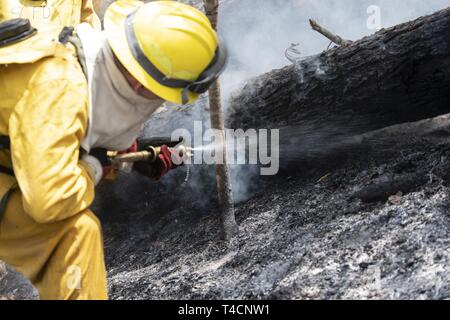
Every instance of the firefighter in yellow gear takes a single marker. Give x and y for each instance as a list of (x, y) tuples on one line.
[(54, 115), (48, 13)]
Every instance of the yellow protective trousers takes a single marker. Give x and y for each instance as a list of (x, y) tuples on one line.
[(63, 259), (47, 231)]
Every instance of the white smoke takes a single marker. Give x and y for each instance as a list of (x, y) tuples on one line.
[(257, 33)]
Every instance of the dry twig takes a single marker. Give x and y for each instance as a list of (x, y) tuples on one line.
[(328, 34)]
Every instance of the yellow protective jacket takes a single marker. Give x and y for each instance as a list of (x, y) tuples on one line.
[(47, 13), (44, 111)]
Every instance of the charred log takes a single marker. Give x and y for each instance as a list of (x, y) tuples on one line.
[(401, 74)]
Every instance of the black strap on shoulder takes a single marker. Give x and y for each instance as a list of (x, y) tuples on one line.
[(68, 34), (4, 201), (6, 170), (65, 33), (5, 143)]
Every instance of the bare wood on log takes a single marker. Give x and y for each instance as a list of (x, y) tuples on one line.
[(228, 222), (328, 34)]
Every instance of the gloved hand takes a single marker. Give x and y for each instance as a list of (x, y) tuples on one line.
[(99, 163), (167, 160)]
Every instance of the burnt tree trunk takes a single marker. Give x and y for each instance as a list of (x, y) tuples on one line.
[(401, 74)]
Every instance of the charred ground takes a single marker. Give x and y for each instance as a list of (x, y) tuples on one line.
[(348, 216), (301, 237)]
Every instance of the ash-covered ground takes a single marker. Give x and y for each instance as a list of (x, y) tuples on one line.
[(331, 225), (347, 217), (371, 222)]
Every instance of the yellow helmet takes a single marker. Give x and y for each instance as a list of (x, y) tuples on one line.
[(168, 46)]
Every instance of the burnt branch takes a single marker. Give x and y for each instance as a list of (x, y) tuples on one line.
[(328, 34)]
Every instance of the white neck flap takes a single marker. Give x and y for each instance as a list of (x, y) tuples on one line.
[(116, 113)]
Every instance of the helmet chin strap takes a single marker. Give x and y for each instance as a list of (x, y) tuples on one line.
[(136, 86)]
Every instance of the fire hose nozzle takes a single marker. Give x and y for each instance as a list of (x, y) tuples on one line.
[(132, 157), (151, 154), (184, 152)]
